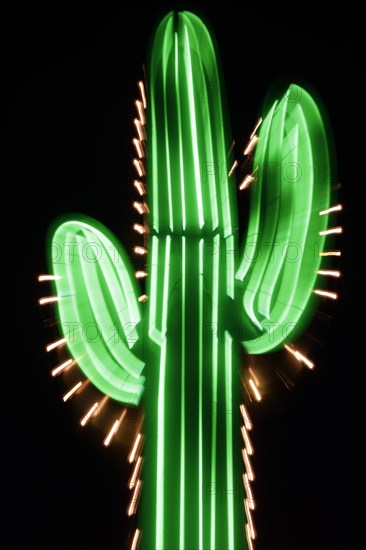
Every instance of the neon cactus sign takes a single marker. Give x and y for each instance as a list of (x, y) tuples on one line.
[(206, 299)]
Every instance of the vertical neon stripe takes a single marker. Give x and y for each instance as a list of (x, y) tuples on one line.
[(212, 183), (200, 396), (154, 142), (182, 397), (166, 135), (215, 342), (192, 113), (225, 196), (166, 285), (230, 262), (159, 535), (181, 163), (154, 334), (229, 439)]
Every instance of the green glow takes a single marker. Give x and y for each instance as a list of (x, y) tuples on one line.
[(154, 333), (277, 288), (255, 211), (182, 397), (215, 344), (192, 113), (192, 128), (200, 396), (155, 210), (161, 410), (166, 133), (229, 438), (252, 289), (181, 164), (198, 296), (230, 263), (98, 307)]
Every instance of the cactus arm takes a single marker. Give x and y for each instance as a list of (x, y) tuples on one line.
[(98, 313), (281, 255)]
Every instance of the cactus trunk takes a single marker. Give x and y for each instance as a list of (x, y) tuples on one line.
[(193, 490)]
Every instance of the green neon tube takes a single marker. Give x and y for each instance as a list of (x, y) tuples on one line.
[(279, 275), (97, 291)]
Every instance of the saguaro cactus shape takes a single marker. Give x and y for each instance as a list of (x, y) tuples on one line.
[(206, 299)]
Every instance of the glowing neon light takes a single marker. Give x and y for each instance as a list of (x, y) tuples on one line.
[(259, 122), (56, 344), (84, 421), (248, 491), (139, 148), (139, 207), (271, 273), (255, 390), (248, 466), (135, 540), (247, 441), (300, 357), (246, 417), (135, 472), (200, 395), (183, 408), (326, 294), (111, 433), (140, 129), (331, 253), (101, 338), (140, 274), (42, 278), (48, 300), (93, 411), (135, 497), (195, 295), (235, 164), (139, 167), (72, 392), (248, 535), (332, 231), (250, 520), (229, 441), (142, 91), (139, 228), (336, 208), (140, 188), (246, 182), (141, 250), (114, 429), (329, 272), (140, 110), (160, 504), (252, 143), (135, 447), (65, 365)]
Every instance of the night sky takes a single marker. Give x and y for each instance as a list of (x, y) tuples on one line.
[(72, 77)]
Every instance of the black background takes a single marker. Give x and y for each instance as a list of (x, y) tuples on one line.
[(72, 74)]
